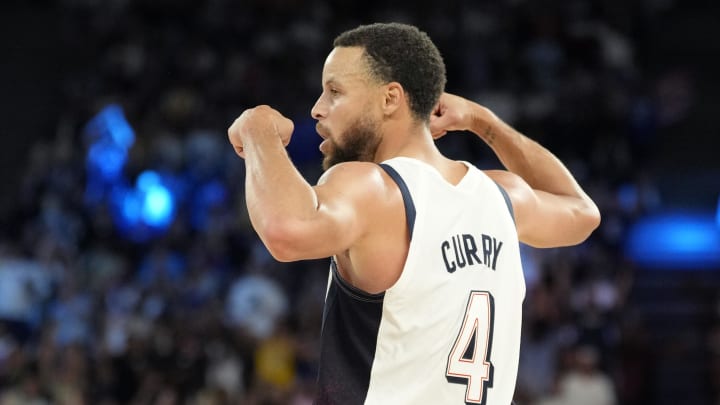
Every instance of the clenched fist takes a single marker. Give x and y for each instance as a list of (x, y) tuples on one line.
[(453, 113), (261, 121)]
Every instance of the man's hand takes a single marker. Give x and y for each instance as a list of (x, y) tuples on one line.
[(261, 121), (453, 113)]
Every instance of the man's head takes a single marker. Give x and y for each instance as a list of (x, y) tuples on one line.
[(374, 74)]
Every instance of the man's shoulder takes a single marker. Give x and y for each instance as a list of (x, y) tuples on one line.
[(365, 181), (353, 173)]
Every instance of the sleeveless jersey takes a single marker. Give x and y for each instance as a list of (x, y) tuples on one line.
[(448, 331)]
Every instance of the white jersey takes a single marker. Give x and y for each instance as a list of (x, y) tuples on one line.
[(448, 331)]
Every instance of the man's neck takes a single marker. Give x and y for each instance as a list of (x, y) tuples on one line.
[(413, 140)]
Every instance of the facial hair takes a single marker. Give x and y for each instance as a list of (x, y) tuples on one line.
[(359, 143)]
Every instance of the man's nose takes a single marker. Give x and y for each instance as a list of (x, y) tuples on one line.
[(319, 110)]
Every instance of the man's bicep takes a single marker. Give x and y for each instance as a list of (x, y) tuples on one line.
[(544, 219), (551, 220), (346, 196), (331, 229), (340, 220)]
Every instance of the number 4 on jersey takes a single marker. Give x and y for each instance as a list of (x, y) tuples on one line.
[(469, 360)]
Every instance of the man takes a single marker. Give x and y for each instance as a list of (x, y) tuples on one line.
[(425, 292)]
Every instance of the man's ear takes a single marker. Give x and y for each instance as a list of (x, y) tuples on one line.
[(394, 98)]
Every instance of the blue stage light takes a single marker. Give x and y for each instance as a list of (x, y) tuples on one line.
[(110, 137), (143, 211), (158, 206), (110, 124), (140, 212), (675, 241), (158, 203), (131, 207), (118, 128), (106, 160), (147, 180)]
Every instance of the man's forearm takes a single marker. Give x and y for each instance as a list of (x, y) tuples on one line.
[(525, 157), (274, 189)]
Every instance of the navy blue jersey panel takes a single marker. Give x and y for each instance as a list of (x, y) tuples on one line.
[(351, 321)]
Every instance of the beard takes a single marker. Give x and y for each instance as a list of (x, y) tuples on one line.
[(359, 143)]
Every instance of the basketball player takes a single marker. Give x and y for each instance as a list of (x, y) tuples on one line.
[(425, 291)]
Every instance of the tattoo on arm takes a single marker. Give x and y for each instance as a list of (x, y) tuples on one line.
[(489, 135)]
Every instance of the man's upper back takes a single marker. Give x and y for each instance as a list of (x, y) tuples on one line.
[(448, 330)]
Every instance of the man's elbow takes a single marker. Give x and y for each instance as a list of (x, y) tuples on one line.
[(282, 254), (585, 221), (590, 220), (281, 241)]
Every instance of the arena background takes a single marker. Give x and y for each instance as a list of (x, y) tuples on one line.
[(129, 272)]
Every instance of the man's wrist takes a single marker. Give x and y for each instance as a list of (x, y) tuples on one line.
[(265, 141), (485, 124)]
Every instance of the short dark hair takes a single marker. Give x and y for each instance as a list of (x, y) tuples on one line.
[(401, 53)]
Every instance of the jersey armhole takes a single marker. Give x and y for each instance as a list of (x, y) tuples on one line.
[(506, 197), (407, 198)]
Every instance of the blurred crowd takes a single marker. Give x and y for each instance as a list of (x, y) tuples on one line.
[(202, 314)]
